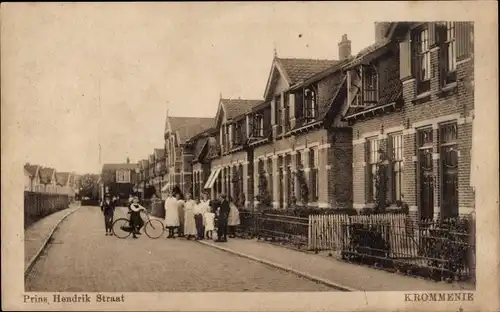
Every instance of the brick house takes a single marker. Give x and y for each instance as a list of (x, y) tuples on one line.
[(262, 142), (143, 177), (203, 146), (159, 168), (411, 113), (178, 154), (119, 179)]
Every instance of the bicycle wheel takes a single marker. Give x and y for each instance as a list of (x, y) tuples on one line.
[(121, 228), (154, 228)]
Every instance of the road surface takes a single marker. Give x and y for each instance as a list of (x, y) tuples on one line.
[(81, 258)]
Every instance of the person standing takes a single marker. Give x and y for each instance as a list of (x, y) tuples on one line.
[(108, 209), (190, 208), (198, 218), (223, 215), (234, 219), (209, 218), (171, 215), (180, 213)]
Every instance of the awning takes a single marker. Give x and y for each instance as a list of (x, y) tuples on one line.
[(212, 178)]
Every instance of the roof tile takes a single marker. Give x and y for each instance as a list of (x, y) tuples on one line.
[(190, 126), (238, 107), (301, 69)]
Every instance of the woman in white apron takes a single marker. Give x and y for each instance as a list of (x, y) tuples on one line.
[(171, 215), (234, 218), (189, 223)]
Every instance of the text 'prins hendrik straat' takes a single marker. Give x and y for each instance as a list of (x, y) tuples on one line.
[(76, 298)]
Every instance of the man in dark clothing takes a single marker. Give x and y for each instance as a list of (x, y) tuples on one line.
[(108, 209), (223, 216)]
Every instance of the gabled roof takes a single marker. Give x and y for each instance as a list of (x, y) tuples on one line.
[(31, 169), (295, 70), (237, 107), (370, 53), (339, 90), (213, 148), (186, 127), (301, 69), (111, 167), (62, 178), (46, 175)]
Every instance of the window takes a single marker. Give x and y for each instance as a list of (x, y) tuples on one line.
[(396, 143), (278, 113), (449, 53), (258, 124), (449, 169), (373, 158), (299, 169), (313, 165), (422, 62), (286, 113), (309, 103), (370, 86)]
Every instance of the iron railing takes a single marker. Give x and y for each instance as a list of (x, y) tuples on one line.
[(436, 249)]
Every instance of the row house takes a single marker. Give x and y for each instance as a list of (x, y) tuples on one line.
[(230, 162), (48, 180), (273, 149), (410, 105), (204, 148), (179, 152)]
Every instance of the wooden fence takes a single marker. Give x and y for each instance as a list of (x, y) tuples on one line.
[(39, 205)]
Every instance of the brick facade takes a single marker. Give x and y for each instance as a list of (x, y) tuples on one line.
[(440, 106)]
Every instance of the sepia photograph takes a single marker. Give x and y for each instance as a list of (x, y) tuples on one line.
[(226, 148)]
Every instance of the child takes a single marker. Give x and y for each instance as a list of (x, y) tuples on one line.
[(135, 216), (108, 209), (209, 223)]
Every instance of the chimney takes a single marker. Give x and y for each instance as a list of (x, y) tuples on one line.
[(381, 30), (344, 48)]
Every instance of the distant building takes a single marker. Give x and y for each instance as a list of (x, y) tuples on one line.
[(119, 179)]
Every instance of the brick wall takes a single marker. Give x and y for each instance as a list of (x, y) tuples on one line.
[(438, 107), (340, 174)]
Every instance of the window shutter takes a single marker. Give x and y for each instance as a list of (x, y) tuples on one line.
[(463, 33), (405, 59), (298, 104), (433, 39)]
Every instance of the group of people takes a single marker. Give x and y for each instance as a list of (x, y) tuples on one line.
[(186, 217), (198, 218)]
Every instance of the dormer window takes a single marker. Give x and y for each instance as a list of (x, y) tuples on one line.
[(310, 106), (363, 86), (258, 125)]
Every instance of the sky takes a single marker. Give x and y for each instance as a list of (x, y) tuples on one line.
[(145, 58)]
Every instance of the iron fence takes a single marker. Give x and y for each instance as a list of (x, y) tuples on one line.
[(435, 249), (39, 205)]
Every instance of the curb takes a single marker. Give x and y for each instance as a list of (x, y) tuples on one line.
[(286, 269), (32, 261)]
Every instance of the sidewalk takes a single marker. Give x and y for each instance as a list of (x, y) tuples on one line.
[(36, 235), (330, 271)]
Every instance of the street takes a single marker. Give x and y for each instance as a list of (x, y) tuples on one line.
[(81, 258)]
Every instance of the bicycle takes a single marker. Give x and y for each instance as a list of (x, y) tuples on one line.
[(153, 228)]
